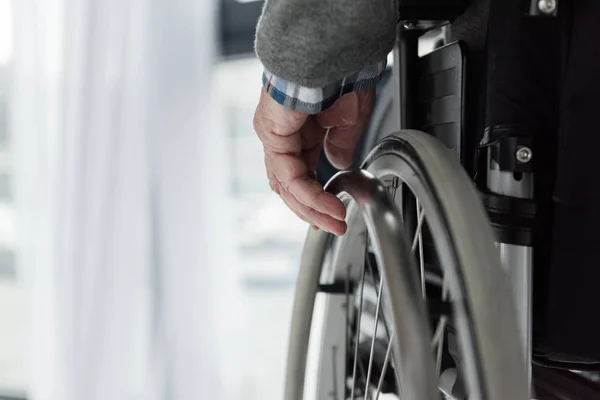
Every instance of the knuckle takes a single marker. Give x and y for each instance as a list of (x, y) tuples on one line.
[(314, 197), (277, 146), (274, 186), (312, 214), (287, 185), (257, 121)]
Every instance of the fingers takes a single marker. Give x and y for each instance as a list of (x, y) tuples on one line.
[(323, 221), (305, 213), (312, 141), (276, 187), (346, 121), (292, 175), (292, 143), (341, 143)]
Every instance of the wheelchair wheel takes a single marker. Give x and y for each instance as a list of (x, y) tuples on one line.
[(402, 315)]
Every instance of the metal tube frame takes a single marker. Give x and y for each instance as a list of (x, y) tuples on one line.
[(517, 260), (405, 305)]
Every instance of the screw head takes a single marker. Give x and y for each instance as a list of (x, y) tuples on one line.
[(523, 154), (410, 24), (547, 6)]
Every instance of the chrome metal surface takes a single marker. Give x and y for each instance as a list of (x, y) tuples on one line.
[(304, 301), (345, 264), (330, 382), (523, 154), (405, 306), (356, 344), (547, 6), (386, 363), (423, 25), (517, 260), (405, 59), (447, 382), (399, 97), (418, 239), (503, 182), (410, 24), (373, 339)]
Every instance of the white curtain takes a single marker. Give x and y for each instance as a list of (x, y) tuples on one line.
[(122, 213)]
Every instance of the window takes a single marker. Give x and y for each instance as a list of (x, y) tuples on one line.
[(270, 238), (12, 298)]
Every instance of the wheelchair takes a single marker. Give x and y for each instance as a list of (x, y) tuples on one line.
[(451, 281)]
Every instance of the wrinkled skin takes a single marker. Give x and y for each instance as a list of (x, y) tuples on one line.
[(292, 142)]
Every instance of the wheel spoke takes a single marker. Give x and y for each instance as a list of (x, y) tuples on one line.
[(385, 365), (362, 373), (360, 309), (439, 331), (348, 333), (440, 345), (418, 240), (395, 184), (389, 335), (438, 337), (374, 333)]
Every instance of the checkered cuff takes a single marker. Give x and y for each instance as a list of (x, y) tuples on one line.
[(315, 100)]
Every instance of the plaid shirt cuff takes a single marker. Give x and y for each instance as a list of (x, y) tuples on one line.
[(315, 100)]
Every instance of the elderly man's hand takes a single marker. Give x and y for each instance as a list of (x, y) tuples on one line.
[(292, 143)]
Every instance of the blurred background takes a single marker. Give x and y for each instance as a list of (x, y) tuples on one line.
[(142, 254)]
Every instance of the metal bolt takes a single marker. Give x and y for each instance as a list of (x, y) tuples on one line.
[(524, 154), (547, 6), (410, 25)]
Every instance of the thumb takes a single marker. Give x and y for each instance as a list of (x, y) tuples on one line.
[(346, 121)]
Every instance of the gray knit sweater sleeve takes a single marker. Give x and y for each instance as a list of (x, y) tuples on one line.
[(316, 42)]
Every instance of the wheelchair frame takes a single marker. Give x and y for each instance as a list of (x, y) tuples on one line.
[(518, 260), (507, 184)]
